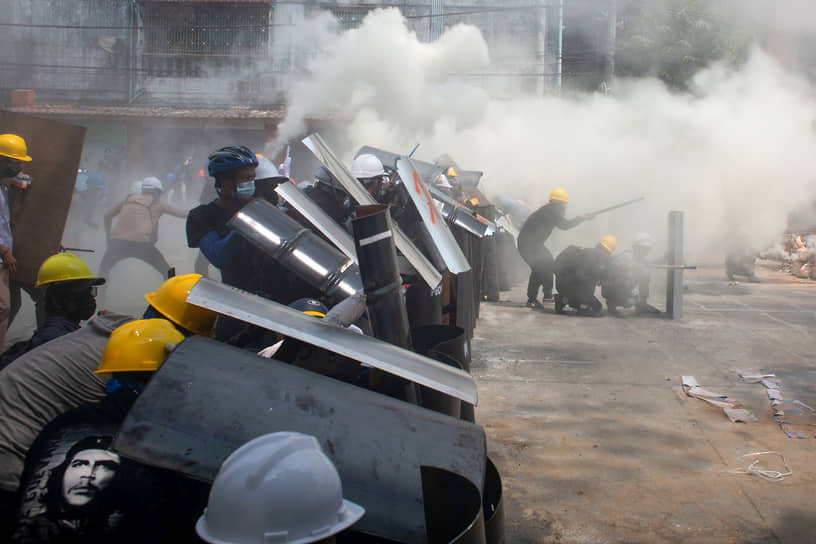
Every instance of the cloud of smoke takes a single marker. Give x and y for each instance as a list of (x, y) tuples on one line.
[(736, 153)]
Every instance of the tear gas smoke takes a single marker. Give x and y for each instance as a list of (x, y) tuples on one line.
[(736, 153)]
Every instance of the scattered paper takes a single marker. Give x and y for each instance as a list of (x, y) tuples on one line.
[(733, 409), (740, 415), (774, 394), (797, 419)]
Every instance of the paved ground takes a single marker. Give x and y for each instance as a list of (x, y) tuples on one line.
[(597, 443)]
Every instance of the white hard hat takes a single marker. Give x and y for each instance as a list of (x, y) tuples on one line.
[(442, 182), (266, 169), (643, 239), (279, 487), (367, 166), (152, 183)]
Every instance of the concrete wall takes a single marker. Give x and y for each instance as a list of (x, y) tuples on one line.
[(69, 64)]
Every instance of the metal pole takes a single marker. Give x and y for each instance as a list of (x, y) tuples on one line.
[(611, 39), (560, 41), (674, 284)]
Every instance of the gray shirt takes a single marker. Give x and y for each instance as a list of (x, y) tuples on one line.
[(46, 382)]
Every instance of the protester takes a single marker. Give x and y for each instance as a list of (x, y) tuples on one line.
[(278, 484), (70, 298), (13, 153), (537, 228), (137, 228), (577, 272)]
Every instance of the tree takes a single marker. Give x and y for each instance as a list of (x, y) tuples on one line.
[(673, 39)]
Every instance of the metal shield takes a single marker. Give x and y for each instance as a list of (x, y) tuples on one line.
[(209, 398), (322, 151), (387, 357), (440, 233)]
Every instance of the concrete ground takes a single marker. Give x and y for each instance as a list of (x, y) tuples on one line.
[(597, 443)]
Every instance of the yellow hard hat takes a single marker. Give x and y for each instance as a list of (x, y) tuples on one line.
[(138, 346), (451, 172), (609, 243), (559, 194), (13, 146), (65, 267), (170, 300)]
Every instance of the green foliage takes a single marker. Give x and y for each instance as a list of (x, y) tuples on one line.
[(673, 39)]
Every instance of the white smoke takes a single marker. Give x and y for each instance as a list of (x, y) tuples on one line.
[(736, 154)]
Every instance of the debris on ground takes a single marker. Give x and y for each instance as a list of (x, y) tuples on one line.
[(796, 418), (772, 473), (732, 409)]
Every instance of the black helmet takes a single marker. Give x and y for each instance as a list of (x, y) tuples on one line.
[(310, 306)]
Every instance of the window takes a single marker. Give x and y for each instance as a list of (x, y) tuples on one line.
[(349, 17), (188, 39)]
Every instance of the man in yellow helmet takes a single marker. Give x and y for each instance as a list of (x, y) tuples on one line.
[(577, 272), (70, 298), (13, 153), (91, 494), (534, 233), (59, 376)]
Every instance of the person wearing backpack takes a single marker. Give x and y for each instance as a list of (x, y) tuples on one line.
[(137, 228)]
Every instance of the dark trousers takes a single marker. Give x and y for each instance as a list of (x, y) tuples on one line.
[(542, 266), (123, 249), (577, 294), (37, 297)]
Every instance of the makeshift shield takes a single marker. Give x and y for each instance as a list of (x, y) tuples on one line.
[(321, 150), (188, 421), (56, 149), (387, 357)]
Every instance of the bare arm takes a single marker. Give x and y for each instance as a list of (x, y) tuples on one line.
[(172, 210)]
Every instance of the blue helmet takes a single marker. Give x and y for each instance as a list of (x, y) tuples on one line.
[(230, 158)]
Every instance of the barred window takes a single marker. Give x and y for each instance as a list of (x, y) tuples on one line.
[(350, 17), (188, 39)]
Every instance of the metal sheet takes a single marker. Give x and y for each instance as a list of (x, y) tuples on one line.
[(387, 357), (56, 149), (426, 170), (454, 212), (459, 215), (440, 233), (209, 398), (469, 177), (423, 266), (297, 248), (317, 217)]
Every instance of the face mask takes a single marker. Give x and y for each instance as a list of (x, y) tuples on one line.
[(245, 191), (11, 171), (81, 307)]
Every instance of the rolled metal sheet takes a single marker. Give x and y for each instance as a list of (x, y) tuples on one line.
[(325, 155), (297, 248), (440, 233), (387, 357), (459, 215), (317, 217), (209, 398)]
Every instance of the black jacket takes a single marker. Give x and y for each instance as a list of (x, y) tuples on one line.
[(540, 225)]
